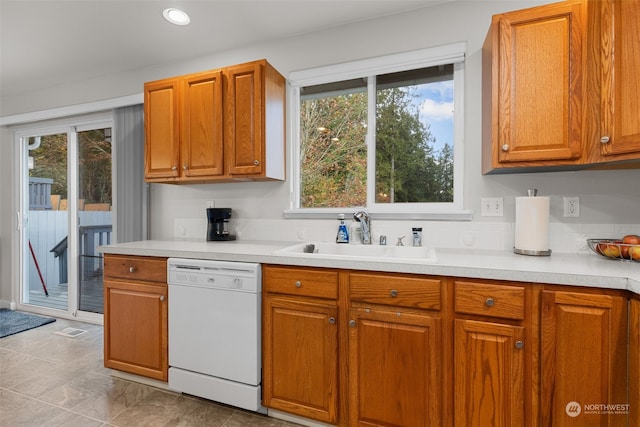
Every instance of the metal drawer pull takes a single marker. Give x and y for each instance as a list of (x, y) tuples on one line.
[(332, 320), (352, 323), (132, 269), (519, 344), (604, 139), (489, 302), (393, 293), (298, 284)]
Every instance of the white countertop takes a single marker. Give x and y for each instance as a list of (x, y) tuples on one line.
[(586, 269)]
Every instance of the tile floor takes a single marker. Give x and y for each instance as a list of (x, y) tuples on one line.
[(51, 380)]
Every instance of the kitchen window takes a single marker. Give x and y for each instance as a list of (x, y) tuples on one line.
[(382, 133)]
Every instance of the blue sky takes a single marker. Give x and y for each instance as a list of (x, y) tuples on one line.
[(435, 103)]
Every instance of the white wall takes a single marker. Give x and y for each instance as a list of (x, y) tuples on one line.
[(610, 200)]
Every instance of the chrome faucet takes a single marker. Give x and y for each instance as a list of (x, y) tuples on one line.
[(365, 228)]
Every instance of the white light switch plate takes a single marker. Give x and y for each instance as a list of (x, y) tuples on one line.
[(491, 206)]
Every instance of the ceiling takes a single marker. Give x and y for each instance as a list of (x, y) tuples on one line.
[(52, 42)]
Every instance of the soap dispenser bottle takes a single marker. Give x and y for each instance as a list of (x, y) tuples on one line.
[(343, 234)]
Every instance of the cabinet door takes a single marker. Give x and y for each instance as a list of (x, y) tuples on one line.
[(300, 366), (394, 369), (634, 362), (620, 82), (537, 90), (135, 328), (489, 374), (244, 121), (162, 130), (584, 358), (201, 125)]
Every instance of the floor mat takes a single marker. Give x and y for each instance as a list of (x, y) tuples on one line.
[(13, 322)]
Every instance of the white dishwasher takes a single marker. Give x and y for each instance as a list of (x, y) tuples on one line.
[(215, 329)]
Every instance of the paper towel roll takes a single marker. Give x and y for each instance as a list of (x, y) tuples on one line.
[(532, 224)]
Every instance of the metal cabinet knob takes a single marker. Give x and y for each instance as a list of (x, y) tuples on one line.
[(489, 302), (161, 298), (505, 147), (332, 320), (256, 162), (352, 323), (298, 284), (604, 139), (132, 269), (519, 344), (185, 167), (393, 293), (173, 168)]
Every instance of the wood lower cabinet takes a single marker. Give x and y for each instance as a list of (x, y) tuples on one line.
[(394, 369), (395, 350), (300, 342), (494, 340), (135, 315), (634, 362), (368, 349), (584, 358), (489, 374)]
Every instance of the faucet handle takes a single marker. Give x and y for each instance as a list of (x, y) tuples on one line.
[(400, 241)]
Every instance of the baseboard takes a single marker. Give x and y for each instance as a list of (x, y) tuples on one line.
[(11, 305), (296, 419)]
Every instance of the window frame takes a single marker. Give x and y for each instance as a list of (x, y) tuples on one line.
[(370, 68)]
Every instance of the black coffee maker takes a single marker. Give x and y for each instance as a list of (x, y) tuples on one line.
[(218, 224)]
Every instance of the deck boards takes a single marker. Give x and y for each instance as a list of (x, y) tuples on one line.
[(91, 297)]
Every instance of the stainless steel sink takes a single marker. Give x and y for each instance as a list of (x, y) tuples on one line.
[(406, 254)]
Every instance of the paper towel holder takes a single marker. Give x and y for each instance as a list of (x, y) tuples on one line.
[(532, 193)]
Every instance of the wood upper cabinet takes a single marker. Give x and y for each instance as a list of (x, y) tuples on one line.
[(245, 118), (162, 130), (534, 75), (135, 315), (300, 342), (584, 358), (217, 125), (255, 121), (620, 103), (201, 153), (183, 128)]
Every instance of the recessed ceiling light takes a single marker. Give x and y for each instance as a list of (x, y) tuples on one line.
[(176, 16)]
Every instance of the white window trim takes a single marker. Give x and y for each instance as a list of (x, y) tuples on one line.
[(452, 53)]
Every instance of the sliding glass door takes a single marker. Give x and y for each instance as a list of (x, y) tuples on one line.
[(66, 213)]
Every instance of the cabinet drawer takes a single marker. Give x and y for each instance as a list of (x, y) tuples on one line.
[(488, 299), (135, 268), (309, 282), (396, 290)]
